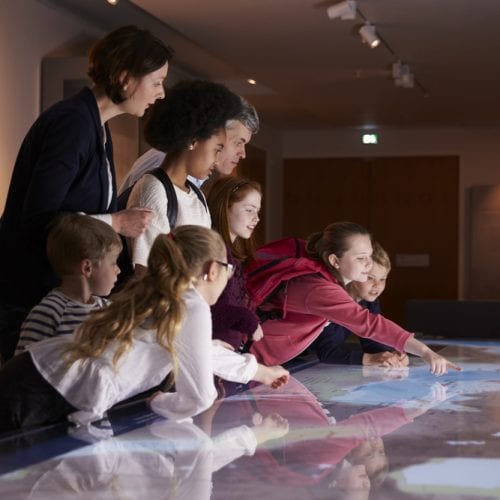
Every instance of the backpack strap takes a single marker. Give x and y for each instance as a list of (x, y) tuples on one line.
[(198, 192), (172, 205), (125, 259)]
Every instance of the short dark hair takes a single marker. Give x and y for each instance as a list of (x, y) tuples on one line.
[(127, 49), (193, 110)]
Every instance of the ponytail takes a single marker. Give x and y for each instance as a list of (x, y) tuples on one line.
[(174, 264)]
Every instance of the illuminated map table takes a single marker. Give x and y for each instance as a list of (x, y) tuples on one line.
[(333, 432)]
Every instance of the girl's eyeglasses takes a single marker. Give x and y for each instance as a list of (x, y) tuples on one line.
[(228, 266)]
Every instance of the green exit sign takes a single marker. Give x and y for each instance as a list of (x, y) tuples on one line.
[(369, 138)]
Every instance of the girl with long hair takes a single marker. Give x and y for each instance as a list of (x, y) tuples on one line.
[(234, 205), (157, 324)]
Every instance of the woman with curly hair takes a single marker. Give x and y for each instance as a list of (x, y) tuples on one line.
[(189, 127)]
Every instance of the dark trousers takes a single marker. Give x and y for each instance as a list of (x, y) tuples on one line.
[(27, 400)]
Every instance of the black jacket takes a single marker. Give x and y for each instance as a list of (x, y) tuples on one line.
[(61, 167)]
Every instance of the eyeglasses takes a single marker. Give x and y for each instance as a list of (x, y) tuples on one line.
[(228, 266)]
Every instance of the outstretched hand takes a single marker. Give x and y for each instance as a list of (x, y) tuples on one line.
[(438, 364), (273, 376)]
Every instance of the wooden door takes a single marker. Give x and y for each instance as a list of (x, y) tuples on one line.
[(414, 215), (320, 191), (484, 243), (409, 204)]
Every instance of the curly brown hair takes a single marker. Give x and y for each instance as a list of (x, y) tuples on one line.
[(193, 110)]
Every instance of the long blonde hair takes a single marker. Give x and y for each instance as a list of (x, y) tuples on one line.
[(175, 262)]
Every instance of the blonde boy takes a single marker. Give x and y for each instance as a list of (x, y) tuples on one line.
[(331, 346)]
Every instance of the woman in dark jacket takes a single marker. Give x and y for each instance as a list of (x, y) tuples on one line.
[(65, 164)]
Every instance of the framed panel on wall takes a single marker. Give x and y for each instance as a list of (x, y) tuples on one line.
[(484, 247)]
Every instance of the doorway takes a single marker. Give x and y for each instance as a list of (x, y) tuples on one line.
[(410, 205)]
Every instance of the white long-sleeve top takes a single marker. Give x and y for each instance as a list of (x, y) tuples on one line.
[(93, 385), (150, 160), (149, 192), (166, 460)]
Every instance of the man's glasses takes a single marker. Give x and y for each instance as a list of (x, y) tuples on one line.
[(228, 266)]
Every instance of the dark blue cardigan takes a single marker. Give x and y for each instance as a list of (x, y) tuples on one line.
[(61, 167), (331, 347)]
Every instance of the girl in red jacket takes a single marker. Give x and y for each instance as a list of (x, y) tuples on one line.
[(342, 253)]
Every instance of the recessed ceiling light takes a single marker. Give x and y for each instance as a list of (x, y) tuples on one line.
[(113, 2), (251, 81)]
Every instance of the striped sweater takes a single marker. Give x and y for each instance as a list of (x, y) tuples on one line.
[(56, 314)]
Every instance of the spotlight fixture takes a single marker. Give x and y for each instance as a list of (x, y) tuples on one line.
[(369, 35), (397, 69), (403, 77), (345, 10), (407, 81)]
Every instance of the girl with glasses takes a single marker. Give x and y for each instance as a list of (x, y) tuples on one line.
[(158, 324)]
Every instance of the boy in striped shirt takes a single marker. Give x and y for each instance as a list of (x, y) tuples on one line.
[(82, 251)]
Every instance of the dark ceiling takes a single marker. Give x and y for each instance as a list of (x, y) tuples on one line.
[(315, 73)]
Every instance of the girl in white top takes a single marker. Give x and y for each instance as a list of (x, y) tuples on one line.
[(190, 127), (157, 324)]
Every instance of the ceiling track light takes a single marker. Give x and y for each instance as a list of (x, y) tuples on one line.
[(401, 73), (407, 81), (403, 77), (345, 10), (398, 69), (369, 35)]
